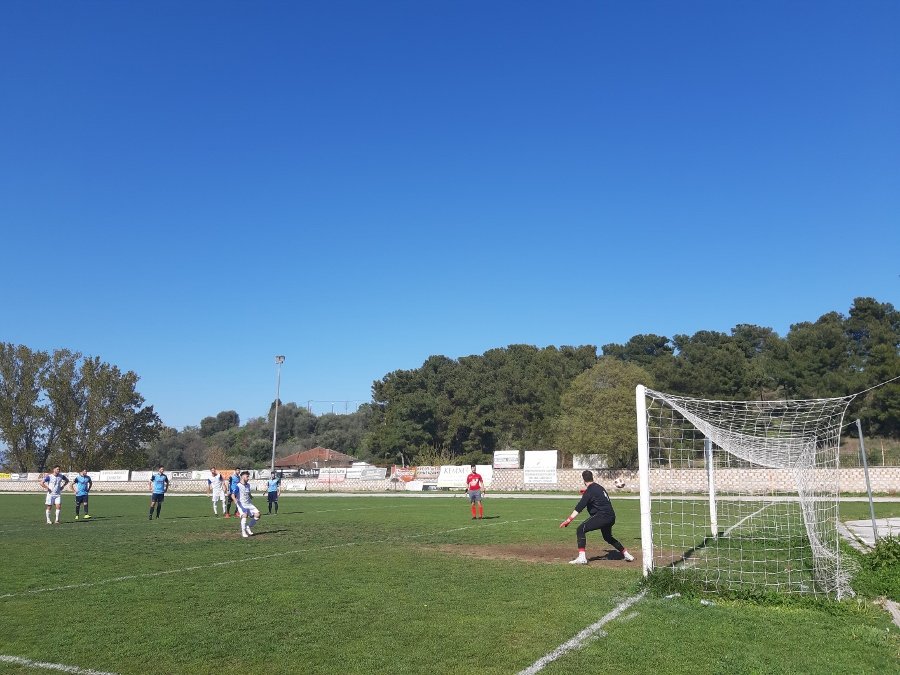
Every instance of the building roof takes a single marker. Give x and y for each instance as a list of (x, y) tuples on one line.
[(315, 455)]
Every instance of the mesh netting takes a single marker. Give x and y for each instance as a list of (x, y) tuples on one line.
[(744, 494)]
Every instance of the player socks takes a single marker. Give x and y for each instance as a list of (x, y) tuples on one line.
[(473, 509), (276, 508), (480, 510), (158, 509)]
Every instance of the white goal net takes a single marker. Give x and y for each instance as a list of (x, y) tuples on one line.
[(741, 496)]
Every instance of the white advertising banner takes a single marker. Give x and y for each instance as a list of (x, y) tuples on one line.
[(455, 476), (141, 475), (291, 485), (119, 475), (540, 467), (364, 471), (452, 476), (589, 461), (428, 474), (506, 459), (35, 476), (332, 474)]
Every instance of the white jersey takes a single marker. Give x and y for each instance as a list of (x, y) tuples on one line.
[(217, 483), (244, 499), (56, 484)]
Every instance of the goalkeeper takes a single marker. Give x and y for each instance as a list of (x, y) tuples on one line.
[(602, 517)]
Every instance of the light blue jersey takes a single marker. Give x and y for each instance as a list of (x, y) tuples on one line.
[(274, 484), (160, 483), (83, 485)]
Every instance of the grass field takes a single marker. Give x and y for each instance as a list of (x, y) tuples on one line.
[(382, 585)]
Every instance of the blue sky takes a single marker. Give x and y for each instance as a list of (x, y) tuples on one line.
[(188, 189)]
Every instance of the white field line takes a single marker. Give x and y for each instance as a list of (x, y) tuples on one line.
[(743, 520), (268, 556), (28, 663), (592, 631)]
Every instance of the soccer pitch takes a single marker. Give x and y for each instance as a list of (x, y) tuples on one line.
[(381, 585)]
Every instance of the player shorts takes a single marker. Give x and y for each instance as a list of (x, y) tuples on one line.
[(474, 496), (273, 497), (218, 496), (157, 497), (53, 499), (251, 510), (81, 499)]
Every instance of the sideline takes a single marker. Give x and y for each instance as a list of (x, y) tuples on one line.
[(267, 556), (594, 630), (28, 663)]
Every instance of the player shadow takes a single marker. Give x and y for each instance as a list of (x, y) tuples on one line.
[(257, 535), (611, 554), (489, 517)]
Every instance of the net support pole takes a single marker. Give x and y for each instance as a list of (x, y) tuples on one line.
[(644, 474), (865, 463), (711, 481)]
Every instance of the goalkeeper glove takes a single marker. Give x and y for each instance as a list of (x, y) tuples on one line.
[(566, 522)]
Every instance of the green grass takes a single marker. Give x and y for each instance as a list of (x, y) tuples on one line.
[(360, 585)]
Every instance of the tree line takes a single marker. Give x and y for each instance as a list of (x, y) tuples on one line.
[(574, 400), (64, 408), (78, 411)]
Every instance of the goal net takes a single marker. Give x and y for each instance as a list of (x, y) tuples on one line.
[(741, 496)]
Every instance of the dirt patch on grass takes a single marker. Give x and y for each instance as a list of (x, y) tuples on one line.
[(550, 554)]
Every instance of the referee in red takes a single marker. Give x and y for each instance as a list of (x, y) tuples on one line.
[(475, 489), (602, 517)]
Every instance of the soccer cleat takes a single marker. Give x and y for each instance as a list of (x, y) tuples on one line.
[(76, 517), (578, 561), (249, 531), (244, 534), (87, 516), (228, 515), (627, 556)]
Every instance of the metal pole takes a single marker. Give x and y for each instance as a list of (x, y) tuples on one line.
[(711, 480), (643, 440), (865, 463), (278, 361)]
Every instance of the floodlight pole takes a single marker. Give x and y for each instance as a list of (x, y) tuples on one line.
[(278, 361)]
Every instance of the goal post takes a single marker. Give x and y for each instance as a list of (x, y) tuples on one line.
[(741, 496)]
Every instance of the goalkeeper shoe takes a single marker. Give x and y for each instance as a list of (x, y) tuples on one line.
[(578, 561), (628, 557)]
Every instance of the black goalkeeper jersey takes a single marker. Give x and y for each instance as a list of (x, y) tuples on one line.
[(596, 500)]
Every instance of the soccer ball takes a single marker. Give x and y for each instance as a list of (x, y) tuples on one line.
[(619, 482)]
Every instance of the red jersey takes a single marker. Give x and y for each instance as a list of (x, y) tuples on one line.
[(474, 482)]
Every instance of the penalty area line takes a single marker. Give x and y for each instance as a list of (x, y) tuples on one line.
[(592, 631), (61, 667)]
